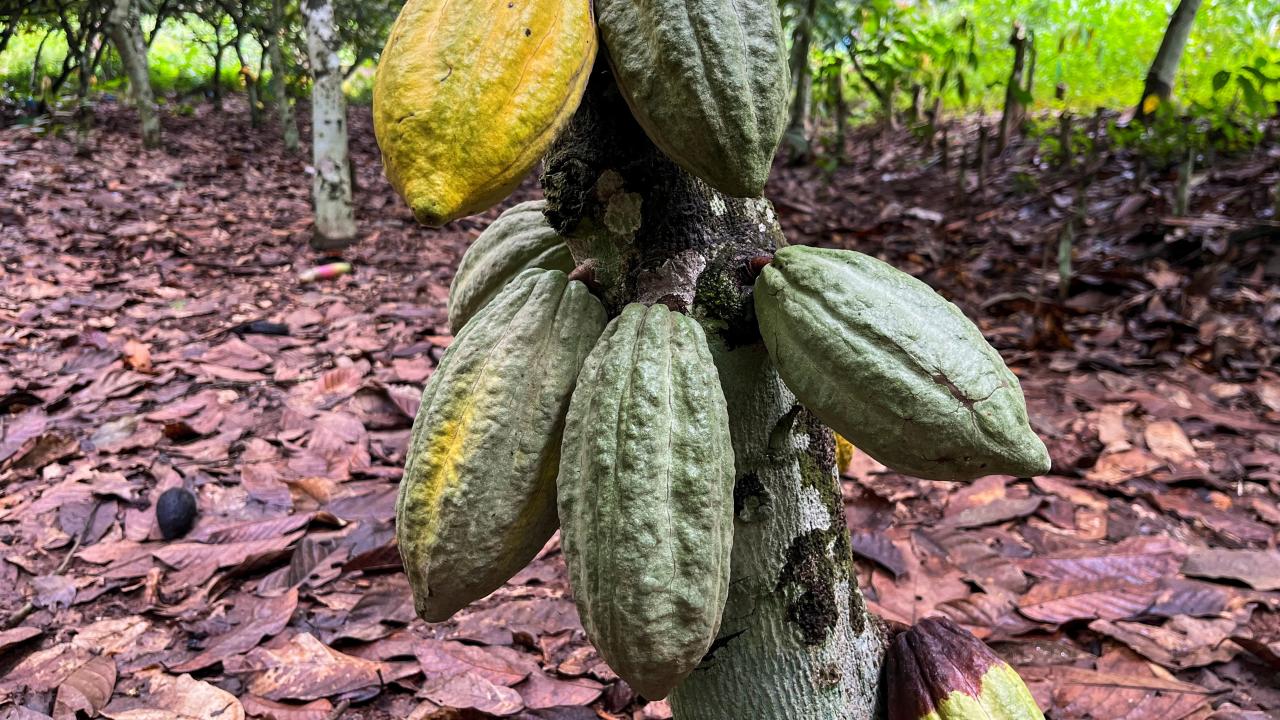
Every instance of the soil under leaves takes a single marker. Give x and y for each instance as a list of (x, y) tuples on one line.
[(154, 334)]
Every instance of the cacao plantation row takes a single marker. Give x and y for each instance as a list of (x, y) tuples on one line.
[(545, 413)]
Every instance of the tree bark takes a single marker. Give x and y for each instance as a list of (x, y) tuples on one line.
[(1013, 109), (284, 111), (798, 148), (125, 29), (842, 110), (335, 223), (1159, 84), (796, 640)]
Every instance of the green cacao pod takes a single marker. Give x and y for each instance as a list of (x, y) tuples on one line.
[(706, 79), (478, 497), (646, 497), (519, 239), (939, 671), (893, 367)]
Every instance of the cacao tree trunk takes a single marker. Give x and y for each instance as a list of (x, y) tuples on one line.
[(284, 110), (125, 30), (796, 640), (335, 223), (1159, 84)]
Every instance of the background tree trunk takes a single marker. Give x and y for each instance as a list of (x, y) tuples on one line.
[(275, 41), (1159, 84), (126, 34), (1013, 107), (335, 226), (797, 142), (796, 641)]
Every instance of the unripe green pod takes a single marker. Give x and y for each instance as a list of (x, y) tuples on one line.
[(937, 670), (478, 498), (892, 366), (706, 79), (646, 497), (518, 240)]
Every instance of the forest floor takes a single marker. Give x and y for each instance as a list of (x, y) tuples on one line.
[(1139, 580)]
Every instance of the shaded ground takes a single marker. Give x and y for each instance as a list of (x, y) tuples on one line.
[(1139, 580)]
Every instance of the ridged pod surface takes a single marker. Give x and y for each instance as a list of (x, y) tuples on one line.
[(469, 95), (706, 79), (518, 240), (646, 497), (892, 366), (937, 670), (478, 496)]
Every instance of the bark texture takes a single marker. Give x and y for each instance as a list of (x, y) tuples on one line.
[(284, 111), (126, 34), (796, 640), (335, 222), (1159, 84)]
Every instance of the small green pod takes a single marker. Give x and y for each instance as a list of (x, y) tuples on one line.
[(518, 240), (646, 497), (892, 366), (478, 498)]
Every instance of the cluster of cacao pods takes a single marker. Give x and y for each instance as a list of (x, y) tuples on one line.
[(546, 413), (469, 96)]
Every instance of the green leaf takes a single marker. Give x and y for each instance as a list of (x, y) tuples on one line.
[(1252, 97), (1221, 79)]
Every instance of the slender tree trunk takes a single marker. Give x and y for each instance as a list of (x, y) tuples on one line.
[(331, 185), (275, 50), (37, 68), (796, 640), (126, 34), (251, 80), (801, 85), (842, 110), (217, 67), (1013, 108), (1159, 85)]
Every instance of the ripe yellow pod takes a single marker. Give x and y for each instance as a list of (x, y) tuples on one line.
[(469, 96)]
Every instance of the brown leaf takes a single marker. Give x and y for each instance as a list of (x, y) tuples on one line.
[(1094, 694), (180, 698), (471, 690), (1166, 441), (995, 512), (1115, 468), (254, 618), (1182, 642), (16, 636), (876, 546), (86, 690), (305, 669), (1260, 569), (541, 692), (271, 710), (498, 665), (1063, 601), (1138, 559)]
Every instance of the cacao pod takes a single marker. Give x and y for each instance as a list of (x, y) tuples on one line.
[(646, 497), (469, 95), (478, 497), (937, 670), (519, 239), (844, 453), (706, 79), (893, 367)]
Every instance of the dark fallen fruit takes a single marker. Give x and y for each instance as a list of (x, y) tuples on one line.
[(176, 512), (937, 670)]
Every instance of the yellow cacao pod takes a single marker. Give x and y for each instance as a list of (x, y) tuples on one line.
[(469, 95)]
